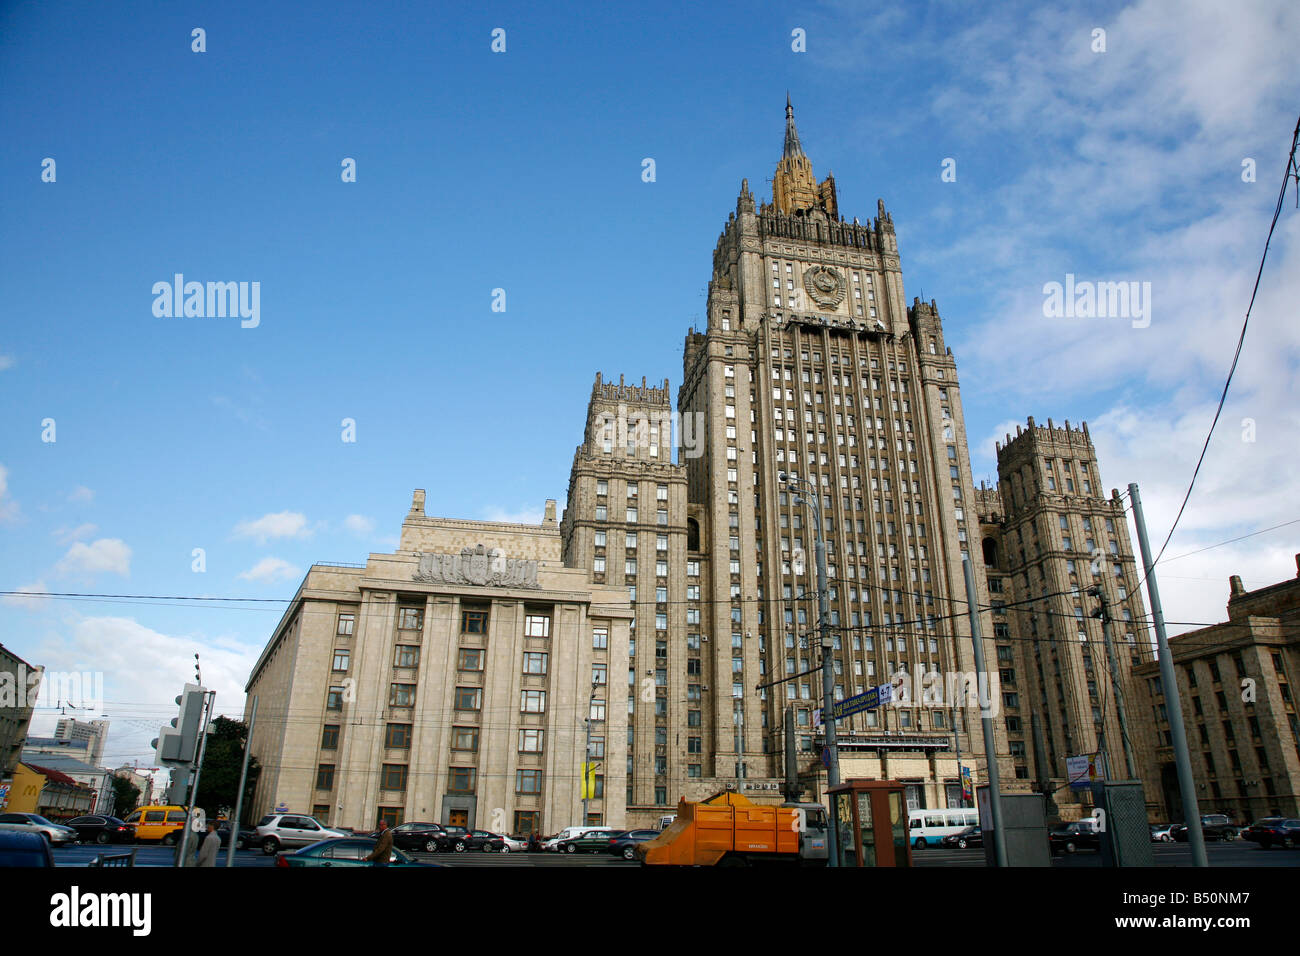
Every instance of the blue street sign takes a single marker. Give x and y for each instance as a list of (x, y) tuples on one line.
[(868, 700)]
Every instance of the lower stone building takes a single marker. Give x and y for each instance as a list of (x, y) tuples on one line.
[(1236, 683), (453, 681)]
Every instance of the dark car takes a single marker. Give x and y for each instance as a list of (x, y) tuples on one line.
[(624, 844), (246, 840), (341, 852), (1273, 831), (428, 837), (97, 828), (19, 848), (1214, 826), (589, 841), (481, 840), (1080, 835), (971, 836)]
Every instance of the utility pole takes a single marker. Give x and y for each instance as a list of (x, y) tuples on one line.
[(1169, 684), (986, 719), (809, 494), (209, 701), (243, 778), (1103, 612), (956, 746), (586, 758)]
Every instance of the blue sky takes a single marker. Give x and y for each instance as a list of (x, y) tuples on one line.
[(522, 171)]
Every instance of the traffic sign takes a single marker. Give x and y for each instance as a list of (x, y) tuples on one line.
[(868, 700)]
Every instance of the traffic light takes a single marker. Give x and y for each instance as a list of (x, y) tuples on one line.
[(178, 744)]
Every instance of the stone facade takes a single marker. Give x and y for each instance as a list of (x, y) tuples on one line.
[(463, 697), (19, 688), (1236, 683), (1049, 535)]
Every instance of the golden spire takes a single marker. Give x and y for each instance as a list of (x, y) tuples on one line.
[(794, 187)]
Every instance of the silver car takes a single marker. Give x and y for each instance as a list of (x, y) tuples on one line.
[(55, 833), (276, 830)]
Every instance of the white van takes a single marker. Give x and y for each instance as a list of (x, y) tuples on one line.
[(569, 832), (928, 827)]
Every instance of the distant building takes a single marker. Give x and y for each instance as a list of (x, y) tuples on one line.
[(95, 779), (95, 731), (1237, 682)]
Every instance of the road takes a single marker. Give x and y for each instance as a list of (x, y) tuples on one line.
[(1235, 853)]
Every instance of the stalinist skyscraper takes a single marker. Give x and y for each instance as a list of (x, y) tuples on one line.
[(811, 364)]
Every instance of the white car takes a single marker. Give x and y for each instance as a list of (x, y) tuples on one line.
[(276, 830), (513, 845), (56, 834)]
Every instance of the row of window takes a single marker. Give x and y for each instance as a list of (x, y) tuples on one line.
[(394, 777)]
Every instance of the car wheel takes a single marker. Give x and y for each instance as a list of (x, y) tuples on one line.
[(487, 848), (270, 845), (169, 839), (629, 853), (505, 847), (920, 843), (962, 844), (430, 846), (570, 849), (460, 846), (102, 838), (1070, 847)]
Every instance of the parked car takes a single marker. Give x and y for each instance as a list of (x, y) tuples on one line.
[(429, 837), (343, 852), (23, 848), (1273, 831), (483, 840), (276, 830), (624, 844), (246, 840), (1072, 837), (569, 833), (971, 836), (102, 829), (1214, 826), (515, 844), (56, 834), (1160, 833), (589, 841)]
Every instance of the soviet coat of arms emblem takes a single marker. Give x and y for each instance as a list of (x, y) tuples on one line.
[(825, 286)]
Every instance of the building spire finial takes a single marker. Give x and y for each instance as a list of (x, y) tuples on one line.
[(792, 147)]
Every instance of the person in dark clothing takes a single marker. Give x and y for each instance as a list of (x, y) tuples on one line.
[(383, 848)]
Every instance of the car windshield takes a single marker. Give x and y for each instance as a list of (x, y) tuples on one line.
[(37, 818)]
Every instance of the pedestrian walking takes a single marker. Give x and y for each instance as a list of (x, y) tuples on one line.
[(383, 848), (209, 847)]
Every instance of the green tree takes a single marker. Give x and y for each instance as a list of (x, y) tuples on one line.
[(222, 761), (126, 796)]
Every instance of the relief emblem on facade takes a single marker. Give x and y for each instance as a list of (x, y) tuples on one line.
[(825, 285), (479, 567)]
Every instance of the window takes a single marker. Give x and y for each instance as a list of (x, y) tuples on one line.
[(329, 738), (401, 695), (334, 701), (531, 740), (527, 822), (528, 781), (597, 710), (534, 663), (410, 618), (537, 625), (325, 776), (347, 621), (464, 738), (469, 698), (599, 673), (398, 736), (394, 777), (341, 658), (470, 659), (461, 779), (600, 638), (473, 622), (406, 655), (533, 702)]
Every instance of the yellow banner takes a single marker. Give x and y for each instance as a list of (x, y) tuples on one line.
[(588, 781)]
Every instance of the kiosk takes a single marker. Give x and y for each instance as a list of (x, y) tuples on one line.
[(870, 817)]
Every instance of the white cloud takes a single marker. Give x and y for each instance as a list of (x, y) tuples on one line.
[(6, 362), (68, 535), (105, 555), (147, 669), (283, 524), (81, 494), (8, 507), (271, 569), (522, 515), (24, 600), (359, 524)]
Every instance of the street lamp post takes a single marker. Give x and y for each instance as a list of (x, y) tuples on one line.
[(586, 758), (809, 495)]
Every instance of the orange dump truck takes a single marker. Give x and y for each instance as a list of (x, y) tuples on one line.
[(728, 830)]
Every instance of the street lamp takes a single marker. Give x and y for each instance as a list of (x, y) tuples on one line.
[(586, 756), (804, 491)]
